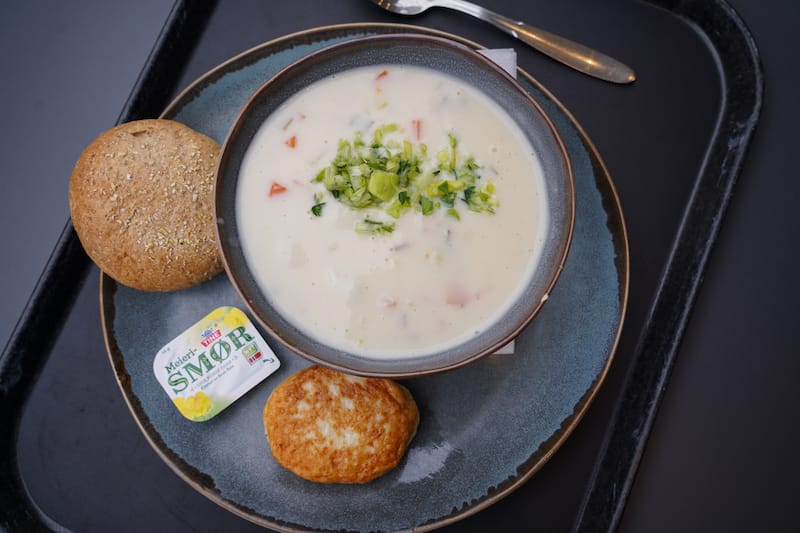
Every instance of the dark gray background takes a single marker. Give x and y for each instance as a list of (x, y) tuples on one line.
[(723, 452), (66, 69)]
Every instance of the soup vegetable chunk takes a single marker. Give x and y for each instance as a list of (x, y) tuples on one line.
[(391, 211)]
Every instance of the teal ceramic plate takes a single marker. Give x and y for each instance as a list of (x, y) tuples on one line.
[(485, 428)]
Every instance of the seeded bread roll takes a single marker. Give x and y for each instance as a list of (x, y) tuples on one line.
[(141, 200), (331, 427)]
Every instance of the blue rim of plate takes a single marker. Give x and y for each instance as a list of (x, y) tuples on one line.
[(456, 465)]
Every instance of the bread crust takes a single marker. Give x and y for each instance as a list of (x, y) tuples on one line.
[(141, 200), (330, 427)]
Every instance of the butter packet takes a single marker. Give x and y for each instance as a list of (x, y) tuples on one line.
[(213, 363)]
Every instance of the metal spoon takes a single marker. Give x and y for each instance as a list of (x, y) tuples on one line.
[(570, 53)]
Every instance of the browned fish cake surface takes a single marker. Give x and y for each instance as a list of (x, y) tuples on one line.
[(331, 427), (141, 200)]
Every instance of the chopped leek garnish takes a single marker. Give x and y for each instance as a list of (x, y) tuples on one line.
[(369, 226), (316, 209), (426, 204), (383, 184), (399, 176)]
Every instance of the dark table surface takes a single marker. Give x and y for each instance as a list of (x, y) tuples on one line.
[(721, 454)]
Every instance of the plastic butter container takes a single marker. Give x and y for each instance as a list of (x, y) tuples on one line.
[(213, 363)]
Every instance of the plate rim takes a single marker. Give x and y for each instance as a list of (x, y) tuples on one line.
[(611, 206)]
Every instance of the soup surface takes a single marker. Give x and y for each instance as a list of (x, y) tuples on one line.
[(450, 230)]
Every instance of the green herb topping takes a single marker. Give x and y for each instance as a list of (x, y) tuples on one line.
[(398, 177)]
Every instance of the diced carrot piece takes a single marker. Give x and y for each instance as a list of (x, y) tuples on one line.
[(456, 294), (417, 125), (291, 142), (276, 188)]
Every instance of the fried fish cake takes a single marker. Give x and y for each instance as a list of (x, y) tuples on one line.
[(141, 200), (331, 427)]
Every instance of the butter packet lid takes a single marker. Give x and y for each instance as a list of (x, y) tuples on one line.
[(213, 363)]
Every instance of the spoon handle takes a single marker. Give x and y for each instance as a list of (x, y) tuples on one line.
[(572, 54)]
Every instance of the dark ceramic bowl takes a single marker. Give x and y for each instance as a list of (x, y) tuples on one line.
[(447, 57)]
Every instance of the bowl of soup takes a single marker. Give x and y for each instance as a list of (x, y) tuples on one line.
[(394, 206)]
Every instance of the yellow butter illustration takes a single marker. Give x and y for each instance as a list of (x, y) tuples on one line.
[(194, 407)]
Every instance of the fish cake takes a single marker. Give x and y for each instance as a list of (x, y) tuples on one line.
[(141, 200), (330, 427)]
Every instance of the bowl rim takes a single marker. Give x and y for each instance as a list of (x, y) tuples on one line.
[(470, 357)]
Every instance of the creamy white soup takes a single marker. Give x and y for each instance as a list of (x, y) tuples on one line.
[(391, 211)]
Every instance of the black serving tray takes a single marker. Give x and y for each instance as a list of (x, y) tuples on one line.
[(674, 142)]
